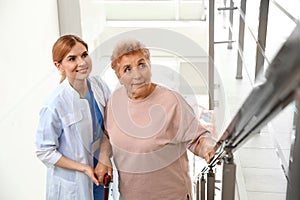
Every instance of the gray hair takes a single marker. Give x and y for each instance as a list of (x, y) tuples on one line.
[(126, 47)]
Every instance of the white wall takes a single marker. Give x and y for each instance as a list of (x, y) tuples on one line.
[(28, 30), (69, 17), (93, 22)]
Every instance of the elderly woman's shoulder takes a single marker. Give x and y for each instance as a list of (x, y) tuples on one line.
[(119, 93), (174, 97), (169, 94)]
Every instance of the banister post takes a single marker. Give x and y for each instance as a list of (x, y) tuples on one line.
[(228, 179), (210, 184), (293, 191)]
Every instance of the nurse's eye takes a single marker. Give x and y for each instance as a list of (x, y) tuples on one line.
[(85, 54), (71, 58)]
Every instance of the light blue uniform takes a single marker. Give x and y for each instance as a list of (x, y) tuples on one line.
[(66, 128)]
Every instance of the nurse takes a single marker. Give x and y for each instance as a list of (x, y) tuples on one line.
[(70, 130)]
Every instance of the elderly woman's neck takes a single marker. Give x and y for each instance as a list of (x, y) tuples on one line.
[(143, 95)]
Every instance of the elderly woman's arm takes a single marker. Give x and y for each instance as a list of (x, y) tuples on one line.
[(198, 138), (104, 165)]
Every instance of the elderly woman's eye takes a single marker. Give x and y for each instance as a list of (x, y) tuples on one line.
[(141, 66), (127, 69)]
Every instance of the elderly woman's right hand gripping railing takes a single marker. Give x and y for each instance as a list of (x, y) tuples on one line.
[(281, 87)]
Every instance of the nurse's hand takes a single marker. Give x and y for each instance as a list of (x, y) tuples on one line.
[(89, 171), (67, 163), (103, 168)]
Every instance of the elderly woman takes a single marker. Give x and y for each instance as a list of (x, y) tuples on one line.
[(150, 129)]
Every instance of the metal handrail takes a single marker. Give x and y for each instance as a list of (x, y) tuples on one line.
[(266, 100)]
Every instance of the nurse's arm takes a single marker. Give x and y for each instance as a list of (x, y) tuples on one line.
[(67, 163)]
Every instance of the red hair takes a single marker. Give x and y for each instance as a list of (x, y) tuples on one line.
[(63, 46)]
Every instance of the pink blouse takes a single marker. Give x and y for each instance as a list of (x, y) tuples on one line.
[(149, 140)]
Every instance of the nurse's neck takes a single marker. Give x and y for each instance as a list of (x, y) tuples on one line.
[(80, 86)]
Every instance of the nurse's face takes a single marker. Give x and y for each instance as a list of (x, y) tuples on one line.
[(77, 64), (134, 72)]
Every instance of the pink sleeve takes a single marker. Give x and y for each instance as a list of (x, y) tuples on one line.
[(197, 138)]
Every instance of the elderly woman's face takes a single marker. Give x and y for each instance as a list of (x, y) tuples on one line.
[(135, 74)]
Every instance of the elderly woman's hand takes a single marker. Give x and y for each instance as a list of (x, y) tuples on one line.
[(206, 147), (103, 168), (210, 155)]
